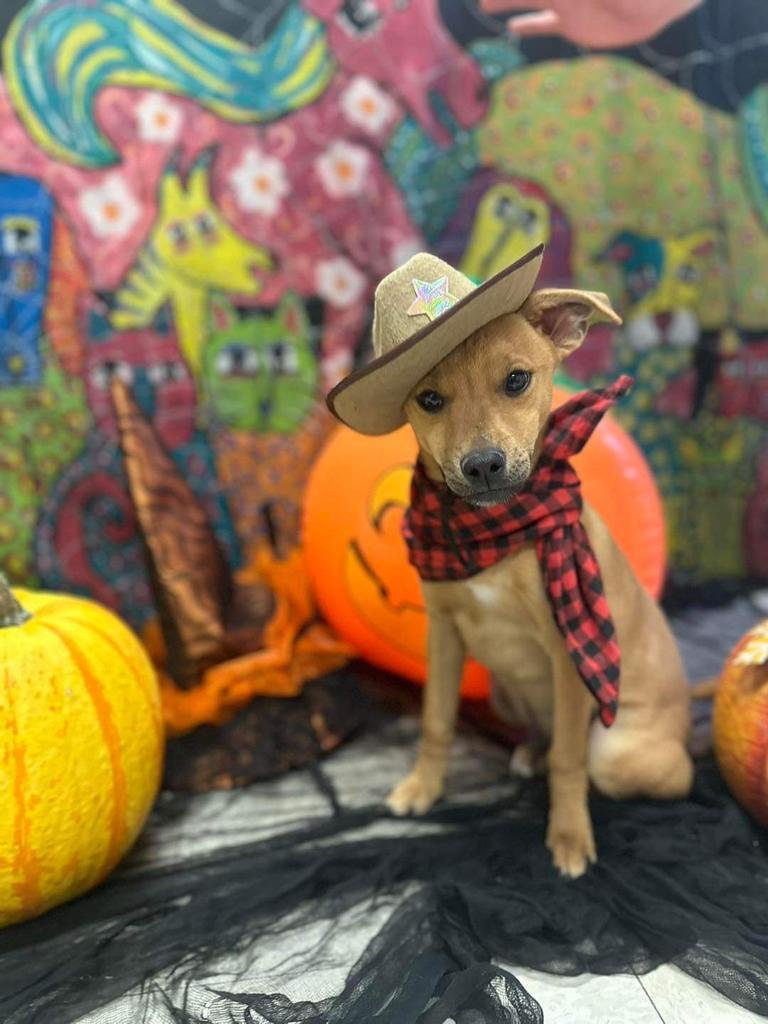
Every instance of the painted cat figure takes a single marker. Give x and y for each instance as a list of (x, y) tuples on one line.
[(261, 381), (260, 372)]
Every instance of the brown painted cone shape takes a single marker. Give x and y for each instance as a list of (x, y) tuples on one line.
[(191, 581)]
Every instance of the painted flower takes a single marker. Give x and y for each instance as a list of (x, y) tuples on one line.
[(259, 182), (343, 169), (366, 105), (110, 208), (339, 282), (755, 650), (159, 119)]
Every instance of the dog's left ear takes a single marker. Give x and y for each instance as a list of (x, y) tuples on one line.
[(564, 314)]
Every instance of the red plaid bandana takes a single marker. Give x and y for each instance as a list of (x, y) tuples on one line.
[(451, 540)]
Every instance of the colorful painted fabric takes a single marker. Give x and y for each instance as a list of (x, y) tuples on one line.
[(451, 540)]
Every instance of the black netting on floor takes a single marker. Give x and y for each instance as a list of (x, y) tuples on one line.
[(683, 883)]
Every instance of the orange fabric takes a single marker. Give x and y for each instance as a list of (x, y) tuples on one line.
[(296, 649)]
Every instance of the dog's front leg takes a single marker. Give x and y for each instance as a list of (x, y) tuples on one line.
[(419, 790), (569, 835)]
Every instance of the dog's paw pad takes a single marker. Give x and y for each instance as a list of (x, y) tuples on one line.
[(414, 795)]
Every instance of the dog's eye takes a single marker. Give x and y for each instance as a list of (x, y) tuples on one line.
[(430, 401), (517, 381)]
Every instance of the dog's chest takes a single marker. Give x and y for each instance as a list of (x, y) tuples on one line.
[(504, 620)]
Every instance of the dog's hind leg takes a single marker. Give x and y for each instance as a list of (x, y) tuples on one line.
[(528, 760), (625, 764)]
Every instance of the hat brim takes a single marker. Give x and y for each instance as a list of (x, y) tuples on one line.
[(371, 399)]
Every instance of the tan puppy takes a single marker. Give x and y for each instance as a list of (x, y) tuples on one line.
[(501, 617)]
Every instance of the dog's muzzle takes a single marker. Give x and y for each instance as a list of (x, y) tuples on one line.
[(488, 477)]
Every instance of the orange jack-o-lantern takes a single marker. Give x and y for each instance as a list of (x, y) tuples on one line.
[(740, 722), (353, 509)]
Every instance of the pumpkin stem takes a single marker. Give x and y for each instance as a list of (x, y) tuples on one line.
[(11, 612)]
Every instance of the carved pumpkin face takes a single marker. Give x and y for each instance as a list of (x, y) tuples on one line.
[(366, 589), (354, 505), (373, 577)]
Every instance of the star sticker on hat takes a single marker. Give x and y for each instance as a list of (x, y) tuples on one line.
[(433, 298)]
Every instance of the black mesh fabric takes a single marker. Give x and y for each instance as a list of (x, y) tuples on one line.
[(463, 892)]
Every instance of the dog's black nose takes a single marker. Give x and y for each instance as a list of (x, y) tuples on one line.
[(483, 468)]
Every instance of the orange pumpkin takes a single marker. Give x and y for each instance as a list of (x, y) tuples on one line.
[(354, 503), (740, 722), (81, 742)]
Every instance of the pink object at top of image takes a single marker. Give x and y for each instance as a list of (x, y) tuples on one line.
[(597, 24)]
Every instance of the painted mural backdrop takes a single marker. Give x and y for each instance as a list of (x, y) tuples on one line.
[(201, 202)]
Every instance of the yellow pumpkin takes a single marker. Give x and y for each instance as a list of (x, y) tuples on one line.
[(740, 722), (81, 745)]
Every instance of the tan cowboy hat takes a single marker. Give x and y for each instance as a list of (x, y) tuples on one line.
[(422, 312)]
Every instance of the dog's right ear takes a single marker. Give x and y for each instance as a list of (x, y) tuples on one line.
[(564, 314)]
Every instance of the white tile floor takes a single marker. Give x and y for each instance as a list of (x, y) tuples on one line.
[(666, 994)]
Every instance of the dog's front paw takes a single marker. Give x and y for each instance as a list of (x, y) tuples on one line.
[(572, 847), (414, 795)]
